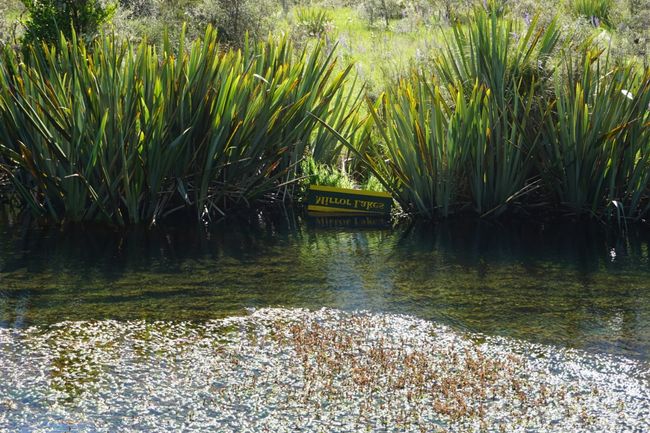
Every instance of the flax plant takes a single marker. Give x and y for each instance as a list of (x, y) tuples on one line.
[(127, 134), (512, 63), (466, 136), (346, 115), (425, 143), (597, 142), (631, 186)]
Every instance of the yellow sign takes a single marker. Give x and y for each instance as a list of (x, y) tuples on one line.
[(327, 199)]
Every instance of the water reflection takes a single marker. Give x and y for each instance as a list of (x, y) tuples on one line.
[(576, 285)]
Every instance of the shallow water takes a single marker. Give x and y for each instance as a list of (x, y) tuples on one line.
[(294, 370), (575, 286)]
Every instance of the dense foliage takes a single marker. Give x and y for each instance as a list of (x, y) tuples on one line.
[(48, 18), (126, 134), (496, 126), (500, 109)]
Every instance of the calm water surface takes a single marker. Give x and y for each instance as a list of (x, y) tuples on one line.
[(571, 285)]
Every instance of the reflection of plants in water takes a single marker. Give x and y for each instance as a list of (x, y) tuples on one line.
[(561, 285)]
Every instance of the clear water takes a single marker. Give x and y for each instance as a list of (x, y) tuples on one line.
[(575, 286)]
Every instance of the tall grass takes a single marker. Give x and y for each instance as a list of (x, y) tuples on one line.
[(126, 134)]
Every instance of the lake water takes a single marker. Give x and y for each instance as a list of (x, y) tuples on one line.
[(576, 286)]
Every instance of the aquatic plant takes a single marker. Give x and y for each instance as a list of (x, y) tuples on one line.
[(295, 370)]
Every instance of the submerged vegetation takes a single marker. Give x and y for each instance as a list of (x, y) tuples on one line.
[(287, 370), (503, 115)]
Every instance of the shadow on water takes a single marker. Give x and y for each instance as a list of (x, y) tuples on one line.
[(575, 285)]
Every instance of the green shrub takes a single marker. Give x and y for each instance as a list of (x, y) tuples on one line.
[(48, 18), (325, 175), (138, 8), (373, 184), (236, 18), (384, 10)]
